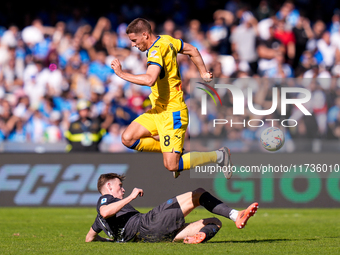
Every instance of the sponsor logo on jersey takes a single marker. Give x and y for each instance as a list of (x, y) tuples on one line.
[(103, 200), (153, 54)]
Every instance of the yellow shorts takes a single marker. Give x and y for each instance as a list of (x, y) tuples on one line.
[(170, 126)]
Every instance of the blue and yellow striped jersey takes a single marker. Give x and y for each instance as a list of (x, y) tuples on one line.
[(167, 90)]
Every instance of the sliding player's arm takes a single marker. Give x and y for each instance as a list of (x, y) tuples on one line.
[(107, 211), (147, 79), (93, 236), (196, 58)]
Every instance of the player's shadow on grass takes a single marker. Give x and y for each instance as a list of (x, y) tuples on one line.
[(264, 240)]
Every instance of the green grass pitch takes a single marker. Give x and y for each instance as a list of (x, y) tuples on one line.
[(270, 231)]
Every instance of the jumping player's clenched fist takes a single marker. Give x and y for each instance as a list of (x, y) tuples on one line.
[(207, 77), (116, 66)]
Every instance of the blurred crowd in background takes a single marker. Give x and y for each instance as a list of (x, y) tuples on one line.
[(58, 54)]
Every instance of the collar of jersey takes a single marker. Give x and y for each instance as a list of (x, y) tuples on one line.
[(158, 37)]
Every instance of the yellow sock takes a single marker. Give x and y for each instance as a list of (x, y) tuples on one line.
[(192, 159), (148, 144)]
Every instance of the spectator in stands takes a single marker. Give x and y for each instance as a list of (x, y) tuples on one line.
[(53, 132), (36, 126), (100, 69), (267, 50), (113, 139), (19, 133), (287, 38), (318, 28), (302, 33), (279, 69), (335, 25), (169, 27), (263, 11), (76, 22), (333, 119), (243, 40), (35, 82), (288, 13), (218, 35), (13, 74), (326, 49), (85, 133)]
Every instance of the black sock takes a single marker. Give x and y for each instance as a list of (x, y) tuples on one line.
[(210, 230), (212, 204)]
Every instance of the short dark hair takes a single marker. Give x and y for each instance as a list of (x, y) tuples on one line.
[(138, 26), (106, 177)]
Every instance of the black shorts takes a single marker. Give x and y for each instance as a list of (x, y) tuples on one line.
[(161, 223)]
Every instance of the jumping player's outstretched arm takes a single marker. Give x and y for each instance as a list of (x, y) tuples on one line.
[(108, 211), (147, 79), (196, 58)]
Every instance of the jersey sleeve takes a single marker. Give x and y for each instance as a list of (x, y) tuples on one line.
[(155, 57), (106, 200), (96, 225), (178, 43)]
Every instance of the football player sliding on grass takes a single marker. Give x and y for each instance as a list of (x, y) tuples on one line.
[(162, 129), (123, 223)]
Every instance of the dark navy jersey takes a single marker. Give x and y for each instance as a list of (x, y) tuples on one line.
[(122, 226)]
